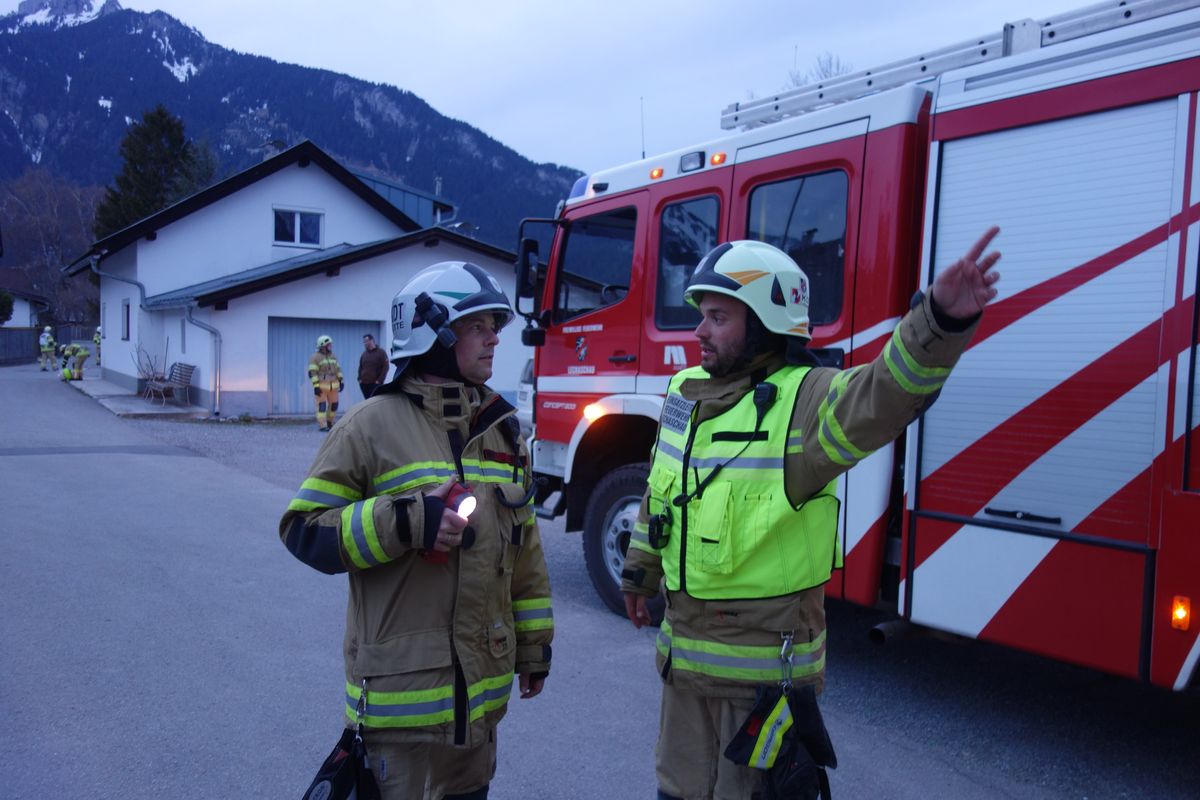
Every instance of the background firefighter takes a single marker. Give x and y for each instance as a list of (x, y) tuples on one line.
[(758, 434), (442, 613), (326, 375), (47, 345)]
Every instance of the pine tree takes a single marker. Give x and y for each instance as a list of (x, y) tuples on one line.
[(161, 165)]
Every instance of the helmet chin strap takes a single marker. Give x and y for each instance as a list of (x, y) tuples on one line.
[(439, 360)]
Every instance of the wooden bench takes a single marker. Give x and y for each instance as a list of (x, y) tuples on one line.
[(178, 379)]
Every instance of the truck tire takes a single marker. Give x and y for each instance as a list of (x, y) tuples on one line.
[(607, 525)]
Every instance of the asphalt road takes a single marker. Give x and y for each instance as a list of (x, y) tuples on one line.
[(157, 641)]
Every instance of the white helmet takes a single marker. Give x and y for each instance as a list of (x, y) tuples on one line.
[(98, 329), (323, 341), (438, 295), (47, 329), (761, 276)]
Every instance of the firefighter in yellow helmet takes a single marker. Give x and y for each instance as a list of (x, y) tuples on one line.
[(326, 375), (47, 345), (739, 520), (67, 354), (449, 607)]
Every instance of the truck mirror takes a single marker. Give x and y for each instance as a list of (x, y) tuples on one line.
[(527, 267), (533, 337)]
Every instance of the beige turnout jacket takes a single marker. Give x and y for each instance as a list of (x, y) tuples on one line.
[(436, 643)]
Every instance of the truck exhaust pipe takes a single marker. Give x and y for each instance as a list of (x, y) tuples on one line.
[(889, 631)]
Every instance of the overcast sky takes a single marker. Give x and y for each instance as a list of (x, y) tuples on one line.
[(564, 80)]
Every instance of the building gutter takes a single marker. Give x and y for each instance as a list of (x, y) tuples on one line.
[(216, 334)]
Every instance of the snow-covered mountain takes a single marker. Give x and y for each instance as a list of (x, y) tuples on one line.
[(75, 73)]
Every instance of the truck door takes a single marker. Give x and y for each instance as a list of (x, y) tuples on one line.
[(802, 194), (595, 295)]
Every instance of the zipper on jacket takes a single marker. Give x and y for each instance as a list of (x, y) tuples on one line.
[(461, 712), (687, 455)]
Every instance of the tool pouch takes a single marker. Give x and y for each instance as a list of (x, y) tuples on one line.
[(785, 737)]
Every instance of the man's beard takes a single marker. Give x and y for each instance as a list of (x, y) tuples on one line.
[(725, 363)]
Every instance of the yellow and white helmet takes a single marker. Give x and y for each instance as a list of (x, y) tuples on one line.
[(324, 341), (761, 276)]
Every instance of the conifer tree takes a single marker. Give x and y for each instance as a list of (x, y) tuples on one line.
[(160, 166)]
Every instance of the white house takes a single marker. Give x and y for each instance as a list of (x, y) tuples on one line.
[(25, 308), (240, 279)]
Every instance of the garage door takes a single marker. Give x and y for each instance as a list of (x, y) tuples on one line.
[(290, 342)]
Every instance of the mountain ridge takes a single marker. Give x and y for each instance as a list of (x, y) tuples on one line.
[(74, 75)]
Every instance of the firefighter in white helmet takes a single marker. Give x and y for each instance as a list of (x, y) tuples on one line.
[(326, 375), (47, 345), (739, 520), (96, 341), (447, 603)]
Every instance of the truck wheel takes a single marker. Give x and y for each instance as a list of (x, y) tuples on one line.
[(607, 525)]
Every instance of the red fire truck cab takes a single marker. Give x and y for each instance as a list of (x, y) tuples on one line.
[(1050, 499)]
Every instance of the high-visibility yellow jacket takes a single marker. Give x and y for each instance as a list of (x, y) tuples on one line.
[(437, 644), (719, 636), (323, 368)]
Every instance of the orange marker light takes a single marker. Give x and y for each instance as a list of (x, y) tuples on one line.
[(717, 159), (1181, 612), (656, 173), (593, 412)]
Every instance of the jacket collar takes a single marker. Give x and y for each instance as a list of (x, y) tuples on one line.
[(718, 395)]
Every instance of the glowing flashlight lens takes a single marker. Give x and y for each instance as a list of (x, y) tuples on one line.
[(466, 506)]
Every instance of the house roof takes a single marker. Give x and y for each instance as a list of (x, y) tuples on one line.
[(329, 260), (17, 283), (303, 154)]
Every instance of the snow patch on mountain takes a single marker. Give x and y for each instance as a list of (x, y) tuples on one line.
[(182, 70)]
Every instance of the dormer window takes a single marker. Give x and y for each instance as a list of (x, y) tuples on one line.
[(298, 227)]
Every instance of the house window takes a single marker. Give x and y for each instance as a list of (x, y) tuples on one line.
[(125, 319), (182, 335), (297, 227)]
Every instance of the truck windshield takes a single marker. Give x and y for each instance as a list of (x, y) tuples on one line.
[(596, 263)]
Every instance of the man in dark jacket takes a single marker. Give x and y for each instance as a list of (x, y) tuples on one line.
[(372, 367)]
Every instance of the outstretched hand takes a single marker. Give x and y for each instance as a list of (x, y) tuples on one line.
[(962, 290)]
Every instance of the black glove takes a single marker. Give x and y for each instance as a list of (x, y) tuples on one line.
[(341, 386), (317, 391)]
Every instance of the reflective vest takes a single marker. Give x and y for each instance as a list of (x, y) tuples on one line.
[(718, 505)]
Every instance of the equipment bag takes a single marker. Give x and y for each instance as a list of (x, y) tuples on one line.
[(345, 774), (785, 737)]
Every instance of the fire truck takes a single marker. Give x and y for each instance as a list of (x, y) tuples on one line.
[(1050, 499)]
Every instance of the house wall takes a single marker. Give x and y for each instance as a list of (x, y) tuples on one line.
[(237, 232), (118, 354), (362, 291), (24, 314)]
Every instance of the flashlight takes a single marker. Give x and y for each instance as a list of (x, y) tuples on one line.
[(463, 502)]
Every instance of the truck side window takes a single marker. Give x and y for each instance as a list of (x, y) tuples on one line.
[(806, 218), (596, 263), (688, 231)]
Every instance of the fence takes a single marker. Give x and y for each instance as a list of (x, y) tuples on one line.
[(18, 345)]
